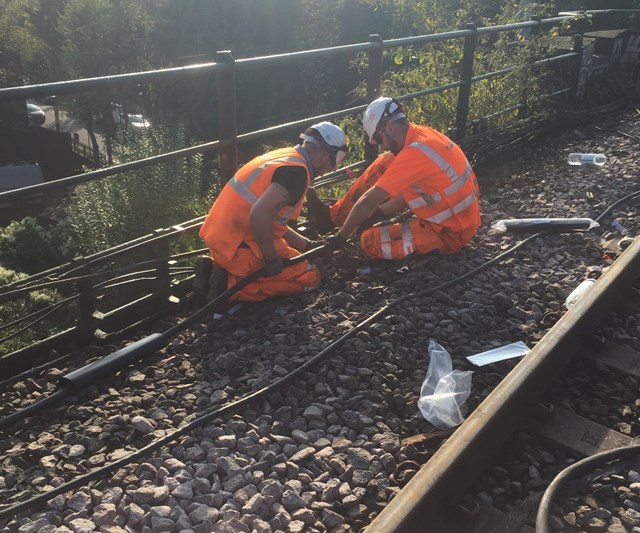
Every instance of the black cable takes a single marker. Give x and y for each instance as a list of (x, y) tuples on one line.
[(35, 313), (34, 407), (102, 471), (585, 465), (151, 343), (11, 510), (53, 309), (631, 196)]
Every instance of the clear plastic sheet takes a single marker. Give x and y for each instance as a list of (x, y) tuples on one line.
[(444, 391)]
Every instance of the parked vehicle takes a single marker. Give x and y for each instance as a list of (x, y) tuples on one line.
[(19, 175), (35, 114), (137, 121)]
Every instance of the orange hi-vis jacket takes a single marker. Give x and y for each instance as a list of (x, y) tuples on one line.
[(227, 225), (435, 179)]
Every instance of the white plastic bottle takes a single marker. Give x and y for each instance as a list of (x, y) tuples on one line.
[(579, 292), (586, 159)]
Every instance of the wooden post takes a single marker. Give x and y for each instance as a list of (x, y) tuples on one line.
[(374, 81), (227, 116), (464, 91)]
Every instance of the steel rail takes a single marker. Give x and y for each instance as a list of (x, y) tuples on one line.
[(456, 464)]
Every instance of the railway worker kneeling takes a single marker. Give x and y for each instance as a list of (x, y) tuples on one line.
[(424, 171), (246, 228)]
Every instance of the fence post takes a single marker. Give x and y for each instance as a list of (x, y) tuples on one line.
[(464, 91), (163, 275), (534, 32), (374, 82), (86, 304), (227, 115), (578, 48)]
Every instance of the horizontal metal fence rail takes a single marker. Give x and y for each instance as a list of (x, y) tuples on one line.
[(229, 66), (82, 270)]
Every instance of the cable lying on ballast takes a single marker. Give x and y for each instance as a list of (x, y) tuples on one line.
[(84, 376), (13, 509), (577, 469)]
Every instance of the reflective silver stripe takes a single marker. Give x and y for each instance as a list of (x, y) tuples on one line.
[(458, 179), (407, 239), (425, 199), (256, 173), (242, 190), (459, 183), (284, 218), (416, 203), (385, 242), (440, 217), (242, 187)]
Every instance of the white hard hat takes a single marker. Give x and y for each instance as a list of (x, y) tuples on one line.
[(334, 139), (379, 109)]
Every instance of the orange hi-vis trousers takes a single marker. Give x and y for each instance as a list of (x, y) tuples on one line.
[(293, 279), (396, 241)]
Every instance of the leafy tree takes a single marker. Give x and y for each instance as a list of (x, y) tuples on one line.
[(101, 37), (18, 35)]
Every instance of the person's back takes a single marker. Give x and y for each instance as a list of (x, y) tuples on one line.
[(247, 227)]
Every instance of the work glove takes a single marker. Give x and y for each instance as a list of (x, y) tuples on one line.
[(335, 242), (273, 267)]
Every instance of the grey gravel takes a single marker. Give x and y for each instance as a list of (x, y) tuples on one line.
[(328, 451)]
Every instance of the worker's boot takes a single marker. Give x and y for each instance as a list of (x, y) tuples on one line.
[(202, 269), (217, 282), (319, 212)]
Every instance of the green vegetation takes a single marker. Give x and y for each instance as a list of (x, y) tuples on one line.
[(114, 210), (39, 301)]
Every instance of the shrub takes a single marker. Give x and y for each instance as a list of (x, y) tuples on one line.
[(22, 307)]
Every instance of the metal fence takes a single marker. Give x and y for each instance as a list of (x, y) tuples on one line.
[(90, 275)]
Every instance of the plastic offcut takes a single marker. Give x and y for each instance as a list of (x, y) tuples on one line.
[(444, 391), (509, 351), (587, 159), (516, 225), (579, 292)]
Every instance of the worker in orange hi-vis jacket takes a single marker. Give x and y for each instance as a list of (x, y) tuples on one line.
[(424, 171), (247, 226)]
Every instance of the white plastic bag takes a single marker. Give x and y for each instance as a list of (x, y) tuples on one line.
[(444, 391)]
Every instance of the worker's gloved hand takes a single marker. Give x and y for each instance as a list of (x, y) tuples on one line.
[(335, 242), (273, 267)]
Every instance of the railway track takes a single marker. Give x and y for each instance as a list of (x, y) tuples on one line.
[(519, 402), (196, 436)]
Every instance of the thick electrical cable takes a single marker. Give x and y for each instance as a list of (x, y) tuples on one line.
[(232, 406), (13, 509), (577, 469)]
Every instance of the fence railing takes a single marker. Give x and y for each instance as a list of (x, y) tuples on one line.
[(90, 275), (225, 71)]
